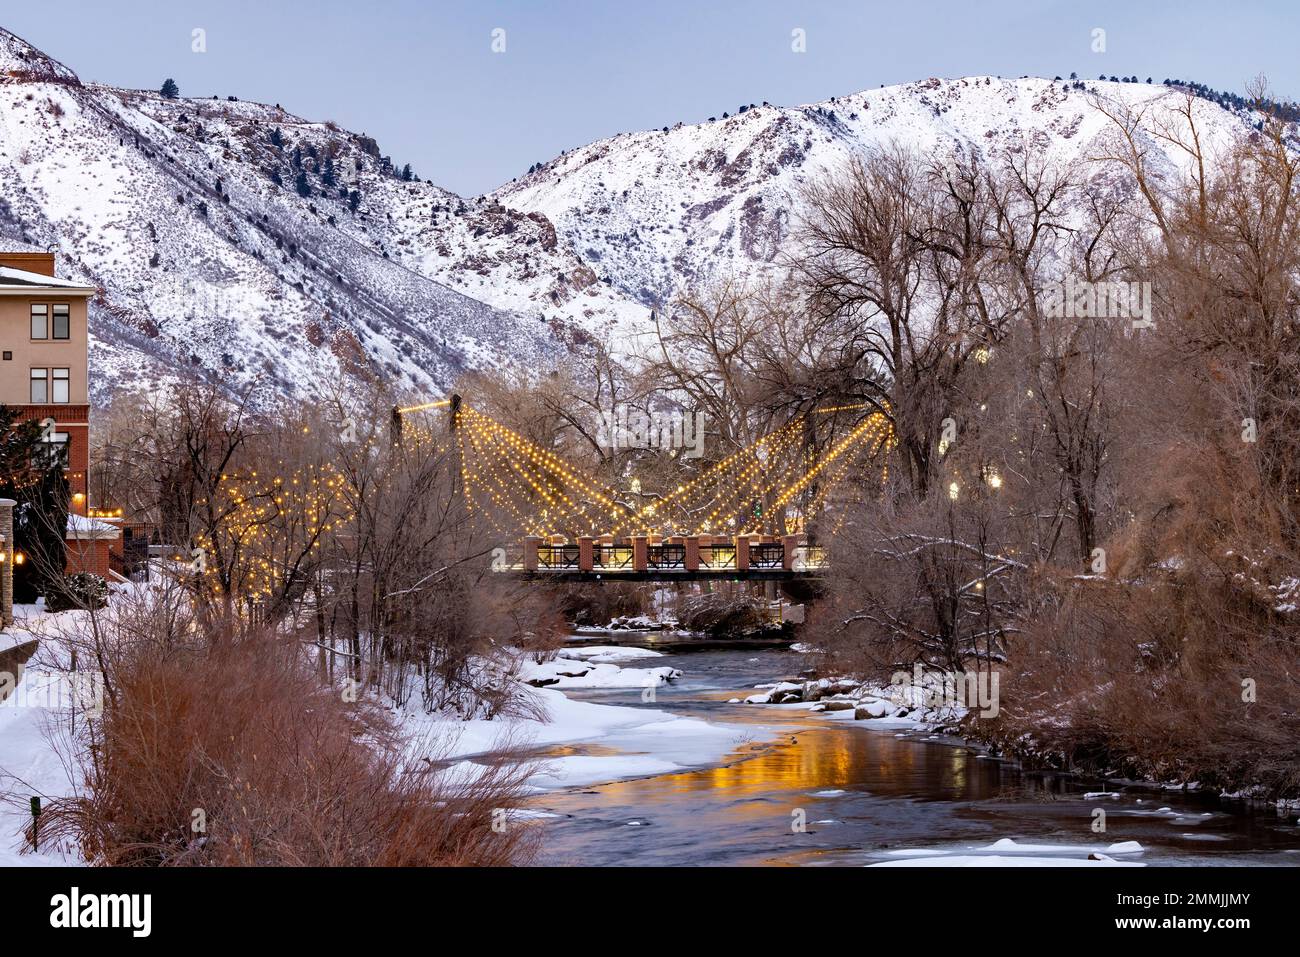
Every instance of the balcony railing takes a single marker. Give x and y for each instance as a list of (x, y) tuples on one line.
[(766, 555)]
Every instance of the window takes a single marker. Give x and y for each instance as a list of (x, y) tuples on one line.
[(40, 321), (59, 385), (40, 386), (51, 450), (61, 324)]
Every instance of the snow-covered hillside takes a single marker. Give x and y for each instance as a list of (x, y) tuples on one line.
[(656, 210), (247, 244), (187, 213)]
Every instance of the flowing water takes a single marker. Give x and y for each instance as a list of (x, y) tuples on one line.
[(864, 793)]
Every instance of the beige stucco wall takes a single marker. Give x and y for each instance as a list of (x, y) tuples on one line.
[(16, 337)]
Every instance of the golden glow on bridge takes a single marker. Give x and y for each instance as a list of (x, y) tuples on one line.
[(772, 486)]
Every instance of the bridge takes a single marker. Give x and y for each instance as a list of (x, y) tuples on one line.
[(750, 516), (679, 558)]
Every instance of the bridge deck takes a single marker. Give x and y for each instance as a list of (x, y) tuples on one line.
[(663, 574)]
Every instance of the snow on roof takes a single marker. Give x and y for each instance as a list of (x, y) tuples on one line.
[(21, 277), (79, 526)]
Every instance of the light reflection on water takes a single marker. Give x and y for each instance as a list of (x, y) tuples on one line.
[(897, 792)]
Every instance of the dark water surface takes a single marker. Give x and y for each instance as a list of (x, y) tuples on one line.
[(894, 792)]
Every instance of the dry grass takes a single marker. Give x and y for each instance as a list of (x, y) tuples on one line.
[(234, 753), (1156, 682)]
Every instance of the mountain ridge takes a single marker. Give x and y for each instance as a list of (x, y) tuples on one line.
[(242, 243)]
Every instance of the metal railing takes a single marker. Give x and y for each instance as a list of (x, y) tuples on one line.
[(718, 556), (666, 556), (612, 556), (554, 557), (766, 555)]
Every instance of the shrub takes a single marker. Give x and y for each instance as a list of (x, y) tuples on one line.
[(82, 590), (225, 748)]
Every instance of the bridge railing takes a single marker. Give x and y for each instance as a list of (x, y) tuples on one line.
[(666, 556), (557, 557), (612, 556), (718, 556), (688, 554)]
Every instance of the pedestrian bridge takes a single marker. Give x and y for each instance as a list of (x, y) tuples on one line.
[(745, 517), (677, 558)]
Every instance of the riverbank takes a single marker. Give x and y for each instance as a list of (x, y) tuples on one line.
[(576, 742), (825, 790), (913, 706)]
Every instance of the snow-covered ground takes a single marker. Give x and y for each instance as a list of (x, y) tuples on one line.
[(596, 742), (595, 667), (622, 742), (1010, 853), (906, 707), (29, 764)]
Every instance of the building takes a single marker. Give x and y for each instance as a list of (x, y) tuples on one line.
[(44, 374)]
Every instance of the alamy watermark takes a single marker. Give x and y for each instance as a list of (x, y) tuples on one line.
[(624, 428), (1080, 299), (81, 691), (975, 690)]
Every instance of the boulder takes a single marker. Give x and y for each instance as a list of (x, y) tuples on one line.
[(813, 690), (871, 708)]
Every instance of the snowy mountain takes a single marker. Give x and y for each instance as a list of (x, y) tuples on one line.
[(188, 215), (248, 244), (686, 204)]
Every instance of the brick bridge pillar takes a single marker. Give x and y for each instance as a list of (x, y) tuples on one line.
[(692, 553), (788, 545), (742, 553), (7, 561)]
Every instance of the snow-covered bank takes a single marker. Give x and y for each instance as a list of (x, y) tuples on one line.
[(1010, 853), (891, 707), (576, 743), (594, 667), (620, 741)]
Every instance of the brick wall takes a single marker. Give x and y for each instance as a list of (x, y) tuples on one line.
[(88, 556), (75, 421)]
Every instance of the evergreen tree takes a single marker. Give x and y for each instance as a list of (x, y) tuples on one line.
[(301, 184), (169, 89), (327, 174), (35, 479)]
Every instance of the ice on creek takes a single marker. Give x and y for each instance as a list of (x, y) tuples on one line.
[(1008, 852), (625, 742), (570, 673)]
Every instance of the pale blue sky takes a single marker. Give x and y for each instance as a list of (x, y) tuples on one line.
[(421, 77)]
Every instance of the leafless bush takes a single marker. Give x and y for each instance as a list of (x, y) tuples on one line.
[(230, 751)]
